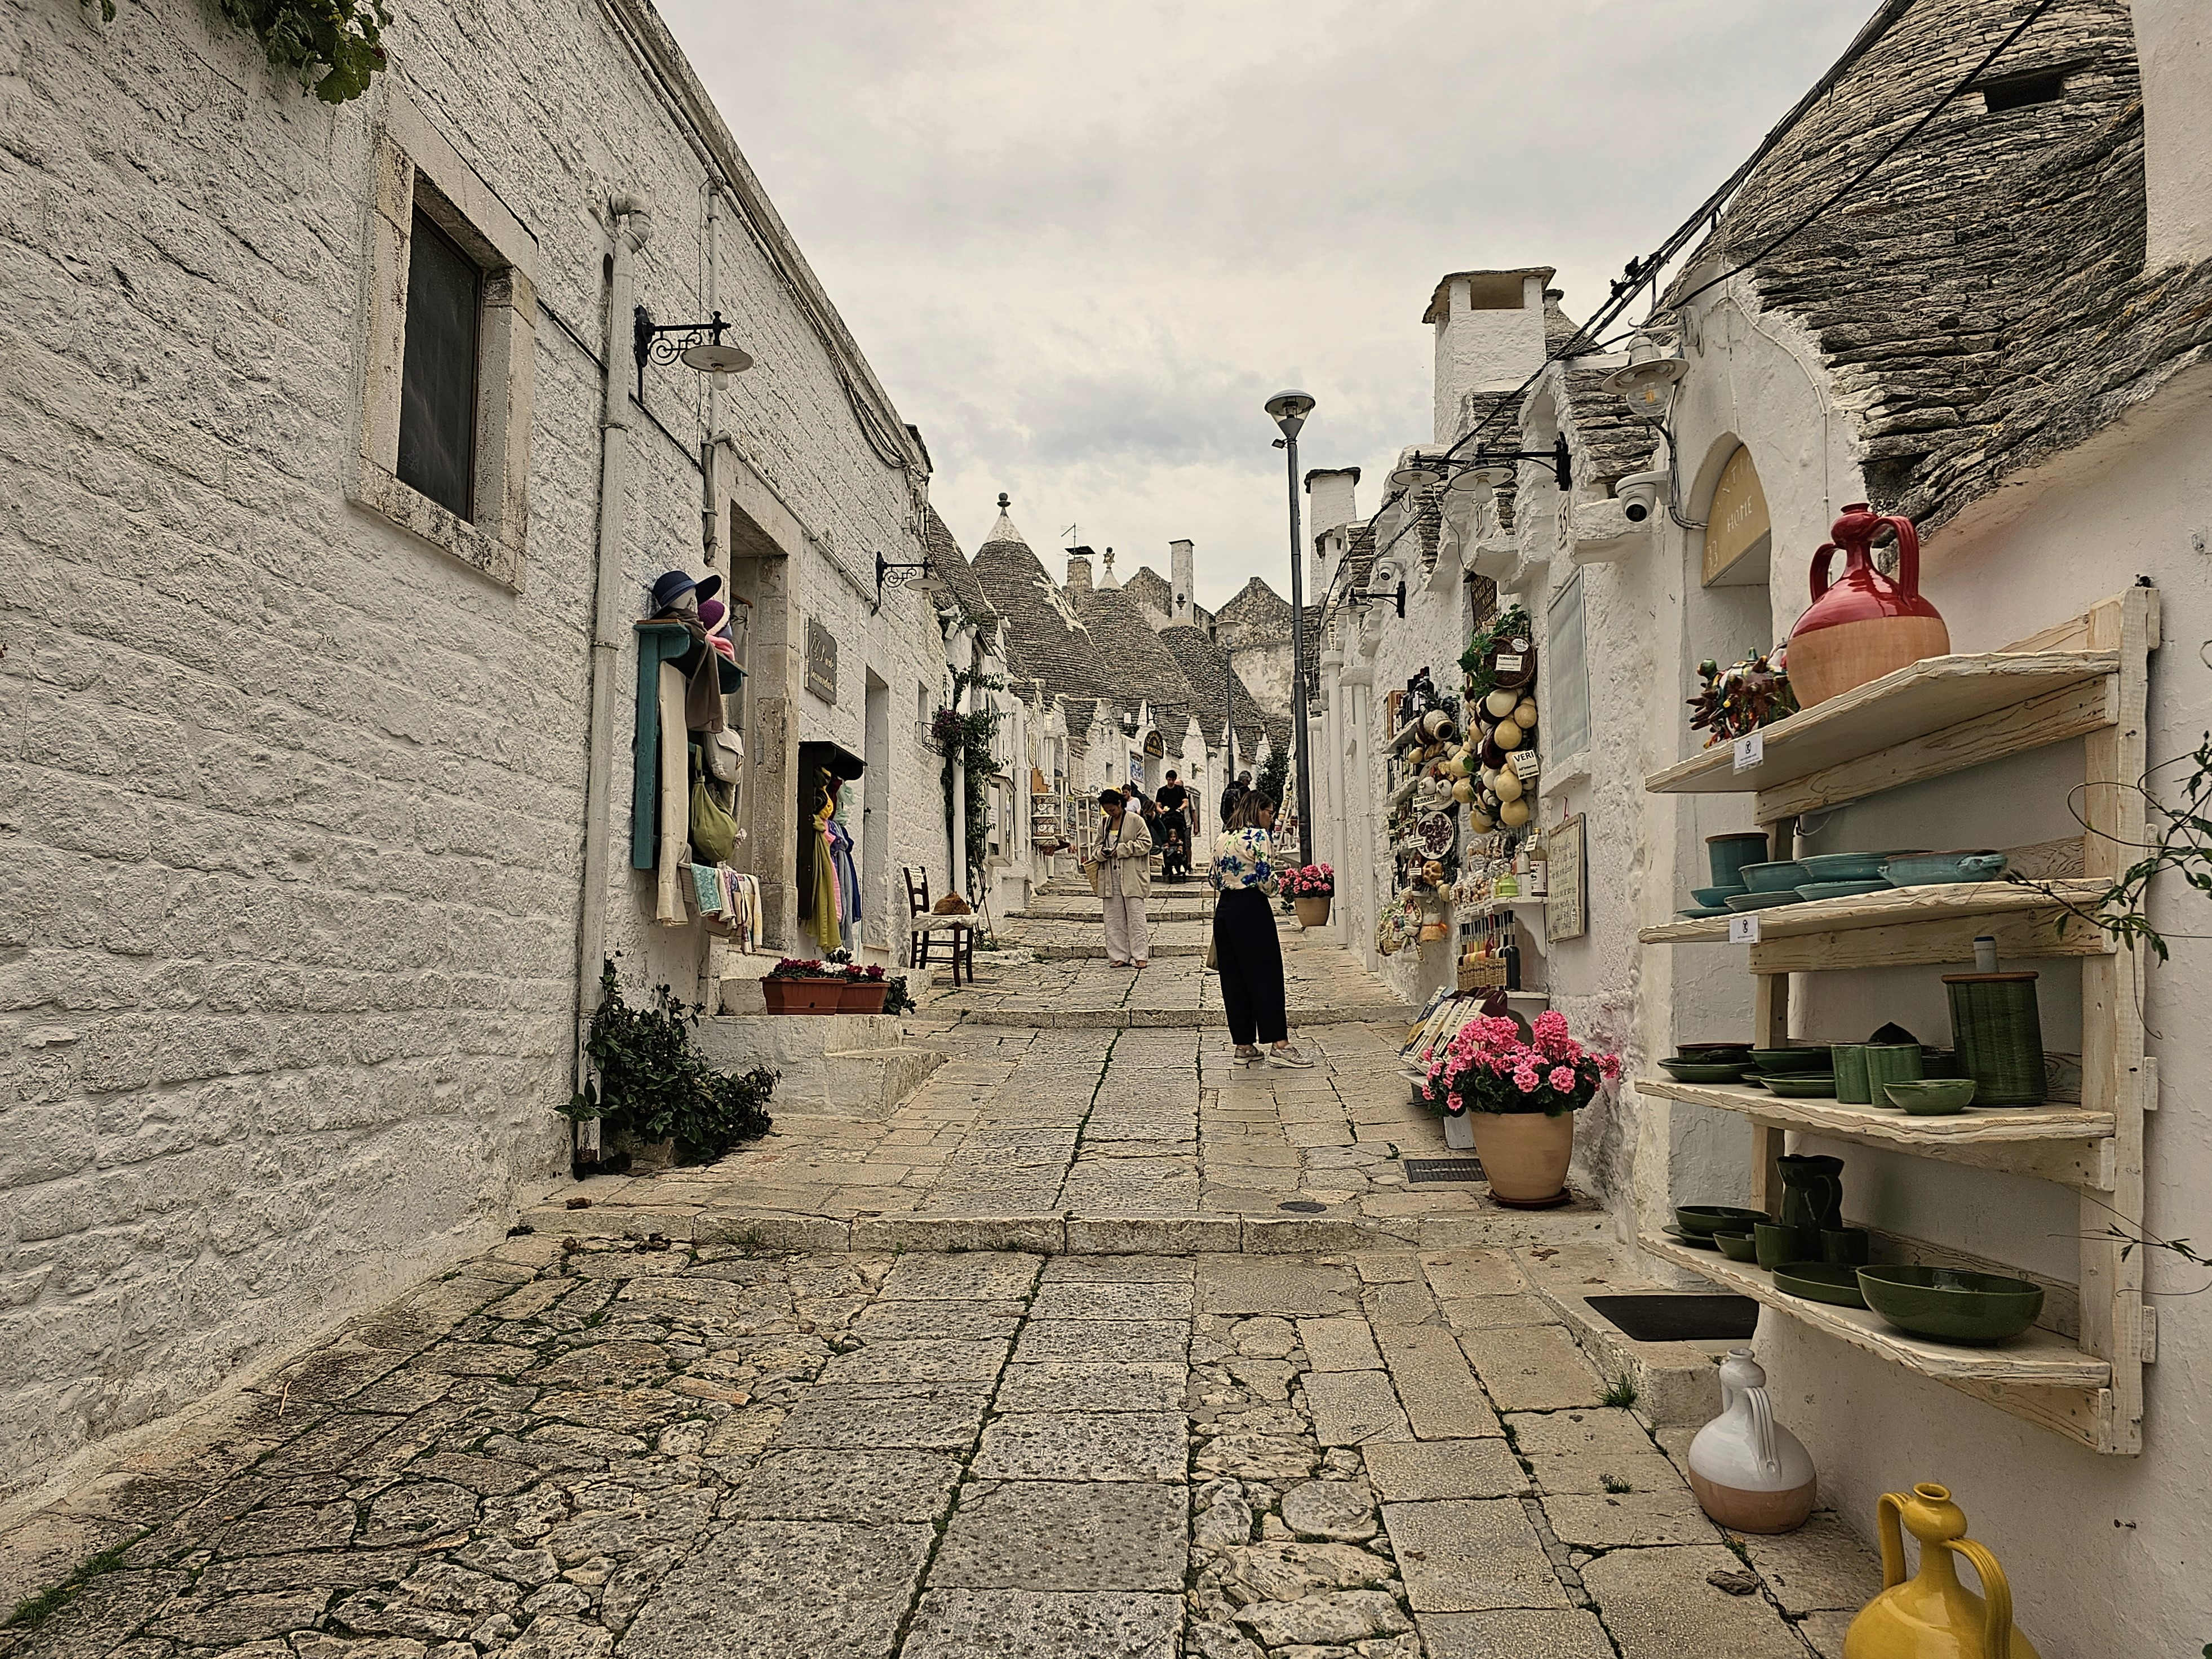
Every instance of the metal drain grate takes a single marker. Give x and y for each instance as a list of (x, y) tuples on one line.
[(1420, 1171), (1302, 1206)]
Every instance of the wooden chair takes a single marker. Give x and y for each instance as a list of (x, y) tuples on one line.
[(927, 929)]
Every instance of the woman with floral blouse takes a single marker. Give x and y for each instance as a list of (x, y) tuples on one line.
[(1246, 948)]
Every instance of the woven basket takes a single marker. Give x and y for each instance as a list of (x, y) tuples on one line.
[(1998, 1034)]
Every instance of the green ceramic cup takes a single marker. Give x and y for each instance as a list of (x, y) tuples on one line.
[(1888, 1063), (1773, 1243), (1850, 1065)]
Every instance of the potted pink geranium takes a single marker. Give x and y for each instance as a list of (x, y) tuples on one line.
[(1310, 887), (1517, 1089)]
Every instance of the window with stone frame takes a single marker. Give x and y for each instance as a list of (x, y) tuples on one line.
[(450, 323)]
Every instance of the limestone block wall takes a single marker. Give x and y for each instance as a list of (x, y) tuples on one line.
[(291, 802)]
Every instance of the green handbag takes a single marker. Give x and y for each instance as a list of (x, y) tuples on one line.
[(713, 831)]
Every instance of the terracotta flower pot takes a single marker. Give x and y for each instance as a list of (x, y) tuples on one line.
[(863, 996), (1313, 912), (1525, 1155), (804, 996)]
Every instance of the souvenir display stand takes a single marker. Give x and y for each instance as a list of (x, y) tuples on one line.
[(2080, 1372)]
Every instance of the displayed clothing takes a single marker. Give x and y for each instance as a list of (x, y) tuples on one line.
[(828, 907), (844, 862)]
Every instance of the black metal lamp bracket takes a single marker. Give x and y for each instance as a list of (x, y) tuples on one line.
[(891, 575), (1562, 465), (663, 343)]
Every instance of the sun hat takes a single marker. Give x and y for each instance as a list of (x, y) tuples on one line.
[(670, 586)]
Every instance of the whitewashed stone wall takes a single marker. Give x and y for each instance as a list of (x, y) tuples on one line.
[(290, 802)]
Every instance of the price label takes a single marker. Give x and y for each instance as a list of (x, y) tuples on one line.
[(1509, 662), (1523, 763), (1750, 751), (1744, 929)]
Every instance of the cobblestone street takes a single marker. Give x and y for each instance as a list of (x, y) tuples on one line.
[(1039, 1365)]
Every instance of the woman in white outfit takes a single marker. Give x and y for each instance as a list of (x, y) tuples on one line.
[(1124, 881)]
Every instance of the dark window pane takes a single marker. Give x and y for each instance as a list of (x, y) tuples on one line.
[(438, 379)]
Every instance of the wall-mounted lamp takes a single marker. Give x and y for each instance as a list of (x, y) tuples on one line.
[(1495, 467), (1360, 598), (696, 345), (921, 571), (1647, 385)]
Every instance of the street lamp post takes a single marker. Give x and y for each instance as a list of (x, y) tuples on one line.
[(1289, 411), (1228, 706)]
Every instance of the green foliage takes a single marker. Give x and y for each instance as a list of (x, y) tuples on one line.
[(967, 738), (1621, 1391), (654, 1081), (1274, 776), (1476, 659), (35, 1610), (336, 45)]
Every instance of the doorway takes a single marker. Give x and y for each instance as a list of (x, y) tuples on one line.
[(876, 815)]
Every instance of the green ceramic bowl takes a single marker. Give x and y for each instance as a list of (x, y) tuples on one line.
[(1716, 898), (1781, 875), (1710, 1219), (1934, 869), (1845, 867), (1931, 1097), (1737, 1247), (1951, 1303), (1835, 1282), (1769, 1060), (1703, 1070), (1800, 1086), (1763, 901)]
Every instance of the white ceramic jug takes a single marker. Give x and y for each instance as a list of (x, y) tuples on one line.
[(1749, 1471)]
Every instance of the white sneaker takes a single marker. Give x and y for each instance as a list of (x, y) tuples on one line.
[(1288, 1057)]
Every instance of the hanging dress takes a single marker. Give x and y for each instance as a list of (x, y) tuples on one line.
[(826, 896)]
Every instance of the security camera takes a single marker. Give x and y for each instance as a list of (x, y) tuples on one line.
[(1639, 495)]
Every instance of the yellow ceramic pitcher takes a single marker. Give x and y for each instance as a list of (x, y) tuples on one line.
[(1933, 1615)]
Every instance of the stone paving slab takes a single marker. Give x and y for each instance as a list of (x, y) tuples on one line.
[(1422, 1470), (804, 1589), (1467, 1554), (1047, 1535), (1573, 1634), (1044, 1625), (1657, 1604), (1084, 1445)]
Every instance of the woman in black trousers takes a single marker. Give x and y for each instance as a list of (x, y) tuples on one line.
[(1246, 948)]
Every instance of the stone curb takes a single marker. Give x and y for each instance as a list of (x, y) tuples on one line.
[(1059, 1234)]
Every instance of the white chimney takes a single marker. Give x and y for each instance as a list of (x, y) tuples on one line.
[(2173, 45), (1107, 579), (1490, 335), (1329, 505), (1182, 575), (1078, 570)]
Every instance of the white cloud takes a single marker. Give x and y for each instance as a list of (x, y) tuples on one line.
[(1081, 244)]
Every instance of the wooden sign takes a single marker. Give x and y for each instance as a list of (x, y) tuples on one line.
[(1564, 888), (821, 661), (1155, 745), (1737, 525)]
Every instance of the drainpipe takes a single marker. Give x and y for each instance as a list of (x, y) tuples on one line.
[(957, 865), (632, 228), (711, 538)]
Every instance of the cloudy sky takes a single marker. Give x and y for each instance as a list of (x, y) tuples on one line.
[(1082, 244)]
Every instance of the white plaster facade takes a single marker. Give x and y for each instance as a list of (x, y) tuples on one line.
[(294, 802)]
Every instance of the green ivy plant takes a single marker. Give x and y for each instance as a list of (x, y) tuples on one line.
[(1509, 623), (653, 1080), (967, 738), (337, 46)]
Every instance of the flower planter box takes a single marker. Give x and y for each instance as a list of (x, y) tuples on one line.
[(863, 996), (1313, 912), (1525, 1155), (804, 996)]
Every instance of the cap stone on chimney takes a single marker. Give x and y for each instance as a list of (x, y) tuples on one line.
[(1078, 570), (1490, 335)]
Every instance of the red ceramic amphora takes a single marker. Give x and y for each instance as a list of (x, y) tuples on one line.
[(1861, 624)]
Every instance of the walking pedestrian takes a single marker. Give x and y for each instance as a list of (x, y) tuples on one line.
[(1246, 948), (1239, 786), (1123, 876)]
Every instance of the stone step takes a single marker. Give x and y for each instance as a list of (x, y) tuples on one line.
[(849, 1066), (1097, 952)]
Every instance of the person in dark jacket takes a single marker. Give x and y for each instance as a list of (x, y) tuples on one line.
[(1236, 792)]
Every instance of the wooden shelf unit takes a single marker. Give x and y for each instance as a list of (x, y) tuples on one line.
[(2087, 678)]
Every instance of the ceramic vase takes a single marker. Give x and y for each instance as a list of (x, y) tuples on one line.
[(1313, 911), (1932, 1615), (1525, 1155), (1861, 625), (1749, 1472)]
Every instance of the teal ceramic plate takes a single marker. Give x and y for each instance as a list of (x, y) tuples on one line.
[(1792, 1060), (1800, 1086), (1716, 898), (1932, 869), (1703, 1070), (1821, 1281), (1846, 867), (1702, 913), (1831, 889), (1777, 876), (1762, 901)]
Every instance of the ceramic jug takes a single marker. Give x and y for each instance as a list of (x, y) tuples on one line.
[(1860, 625), (1932, 1615), (1812, 1191), (1749, 1471)]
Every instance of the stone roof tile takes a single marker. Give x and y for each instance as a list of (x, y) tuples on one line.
[(1046, 639), (942, 551)]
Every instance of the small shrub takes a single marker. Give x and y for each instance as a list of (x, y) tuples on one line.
[(654, 1081), (1621, 1391)]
